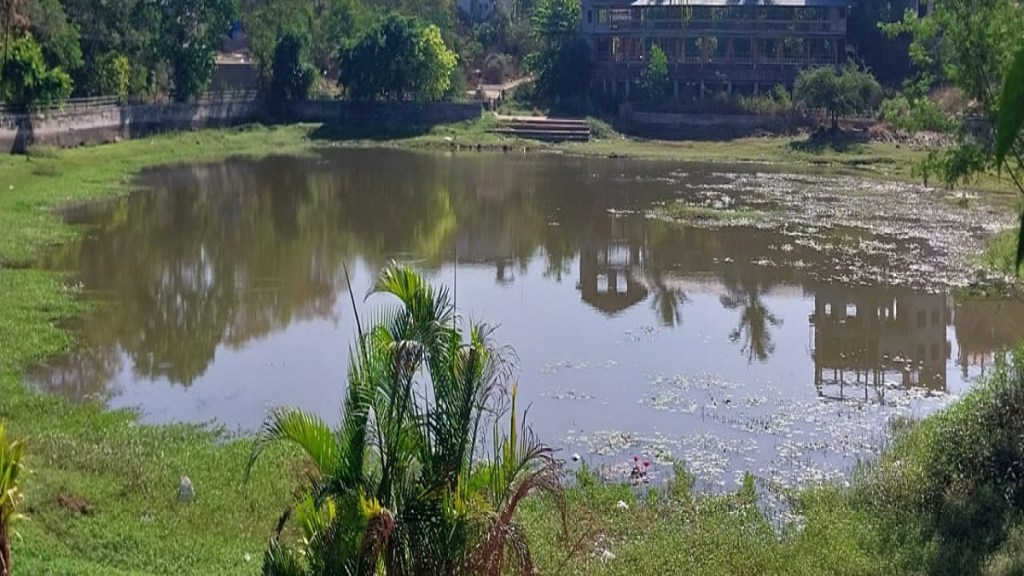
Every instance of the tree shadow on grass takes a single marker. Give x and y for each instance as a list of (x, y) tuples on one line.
[(828, 140), (367, 132)]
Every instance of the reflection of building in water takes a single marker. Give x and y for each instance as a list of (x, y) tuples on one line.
[(866, 336), (612, 264), (984, 328), (489, 249)]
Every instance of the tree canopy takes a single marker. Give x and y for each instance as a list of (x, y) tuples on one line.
[(654, 83), (401, 58), (850, 90), (562, 62)]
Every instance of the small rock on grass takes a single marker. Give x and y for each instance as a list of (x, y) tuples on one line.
[(186, 493)]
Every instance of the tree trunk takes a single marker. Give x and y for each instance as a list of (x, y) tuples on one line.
[(5, 553)]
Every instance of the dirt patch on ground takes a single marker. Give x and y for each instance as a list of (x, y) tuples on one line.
[(76, 505)]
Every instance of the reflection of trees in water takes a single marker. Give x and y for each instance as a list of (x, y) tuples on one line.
[(755, 324), (667, 302), (220, 255)]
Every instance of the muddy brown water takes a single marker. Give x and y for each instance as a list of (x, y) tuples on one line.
[(777, 339)]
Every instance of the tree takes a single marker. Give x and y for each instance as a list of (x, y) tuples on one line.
[(849, 91), (562, 62), (59, 39), (653, 81), (14, 22), (193, 30), (11, 454), (400, 488), (26, 81), (268, 21), (292, 74), (969, 44), (1011, 119), (398, 59), (127, 28)]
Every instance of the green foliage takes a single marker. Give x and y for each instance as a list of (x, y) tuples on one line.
[(915, 115), (400, 488), (11, 469), (849, 91), (972, 45), (653, 83), (59, 39), (268, 21), (26, 81), (114, 75), (1011, 108), (682, 483), (129, 28), (192, 33), (418, 65), (293, 76), (562, 62), (498, 68), (949, 488)]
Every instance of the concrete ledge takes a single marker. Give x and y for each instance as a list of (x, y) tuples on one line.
[(111, 123)]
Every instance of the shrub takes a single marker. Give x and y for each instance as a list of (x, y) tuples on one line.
[(400, 487), (653, 83), (913, 116), (950, 487)]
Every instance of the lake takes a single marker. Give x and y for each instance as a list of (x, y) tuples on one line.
[(777, 332)]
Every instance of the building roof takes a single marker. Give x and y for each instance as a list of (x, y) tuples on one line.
[(782, 3)]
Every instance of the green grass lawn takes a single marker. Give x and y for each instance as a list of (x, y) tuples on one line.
[(102, 489)]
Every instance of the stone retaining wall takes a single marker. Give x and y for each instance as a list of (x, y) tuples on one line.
[(111, 123)]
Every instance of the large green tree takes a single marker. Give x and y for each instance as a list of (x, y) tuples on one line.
[(25, 79), (110, 29), (562, 62), (850, 90), (192, 33), (58, 38), (293, 75), (401, 58)]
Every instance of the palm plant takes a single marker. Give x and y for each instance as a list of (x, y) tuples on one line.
[(755, 322), (404, 486), (11, 453)]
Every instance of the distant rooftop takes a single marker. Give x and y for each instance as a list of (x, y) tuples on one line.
[(782, 3)]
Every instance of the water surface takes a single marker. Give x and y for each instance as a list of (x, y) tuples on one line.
[(778, 342)]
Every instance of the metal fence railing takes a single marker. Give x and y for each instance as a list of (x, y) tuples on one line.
[(81, 105)]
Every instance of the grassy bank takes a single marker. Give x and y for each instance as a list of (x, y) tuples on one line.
[(102, 492), (945, 498)]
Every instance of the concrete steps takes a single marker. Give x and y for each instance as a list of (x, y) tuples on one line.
[(545, 129)]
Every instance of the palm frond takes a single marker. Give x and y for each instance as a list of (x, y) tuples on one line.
[(281, 560), (302, 429)]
